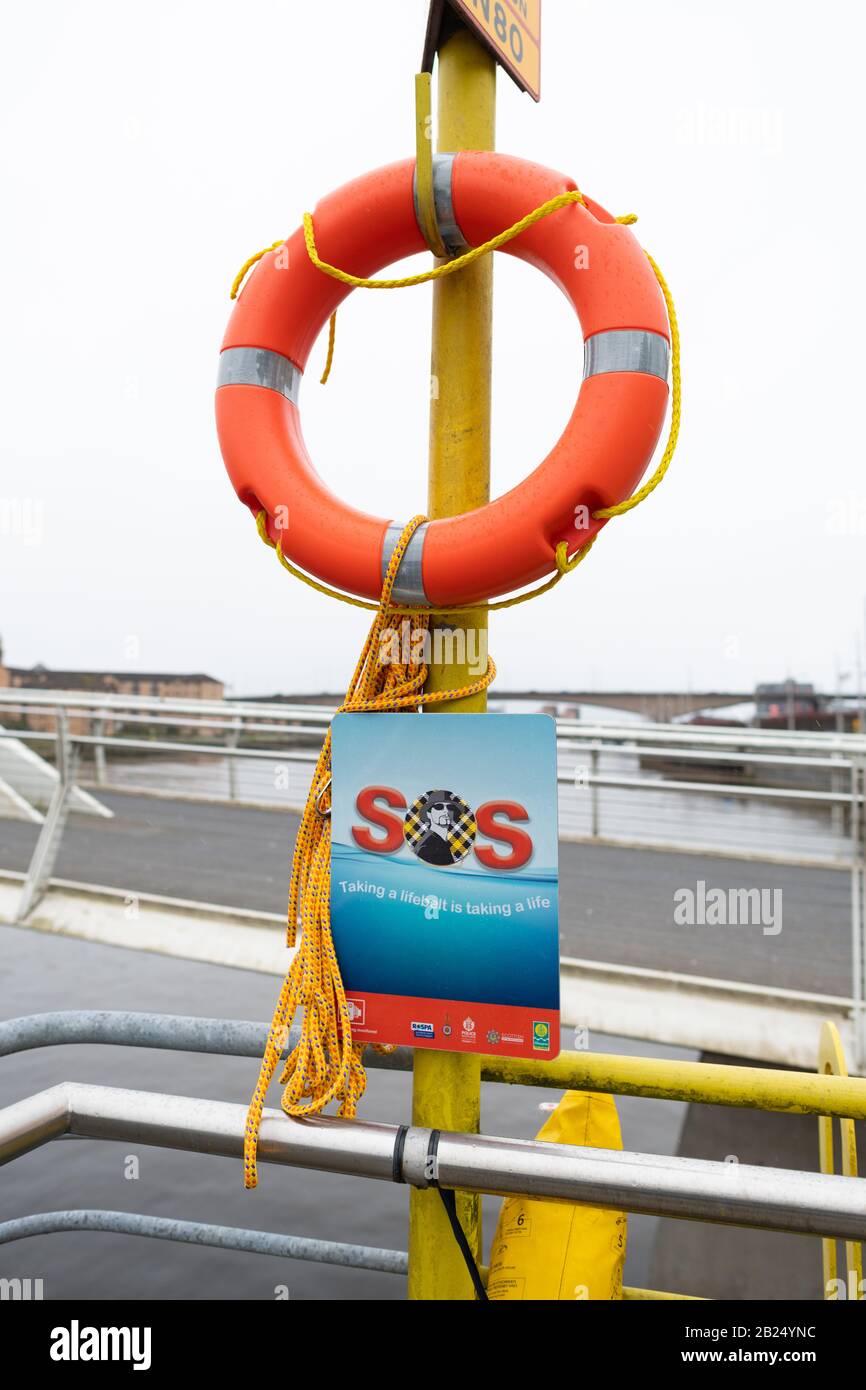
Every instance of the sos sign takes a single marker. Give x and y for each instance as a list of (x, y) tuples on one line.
[(440, 828)]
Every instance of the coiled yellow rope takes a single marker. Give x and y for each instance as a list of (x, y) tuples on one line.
[(326, 1065)]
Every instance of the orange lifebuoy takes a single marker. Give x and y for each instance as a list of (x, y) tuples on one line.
[(597, 462)]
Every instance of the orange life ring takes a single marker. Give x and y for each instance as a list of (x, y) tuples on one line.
[(600, 458)]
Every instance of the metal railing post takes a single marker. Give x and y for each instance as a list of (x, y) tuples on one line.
[(837, 810), (100, 769), (232, 741), (594, 790), (51, 834)]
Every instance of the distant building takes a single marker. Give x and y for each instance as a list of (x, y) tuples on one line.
[(784, 705), (164, 685), (785, 702)]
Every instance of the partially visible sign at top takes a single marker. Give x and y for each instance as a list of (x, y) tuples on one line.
[(512, 28)]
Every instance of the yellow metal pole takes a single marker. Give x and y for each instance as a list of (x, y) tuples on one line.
[(831, 1062), (446, 1086)]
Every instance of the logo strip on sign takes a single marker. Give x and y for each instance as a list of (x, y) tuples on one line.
[(510, 28)]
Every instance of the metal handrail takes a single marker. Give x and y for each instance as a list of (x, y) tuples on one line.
[(723, 737), (129, 1223), (242, 1238), (838, 793), (710, 755), (724, 789), (775, 1199), (319, 715), (110, 702), (756, 1088), (655, 784)]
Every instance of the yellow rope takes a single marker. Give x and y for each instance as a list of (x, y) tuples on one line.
[(446, 268), (564, 566), (676, 398), (326, 1065), (248, 265), (332, 338), (437, 272)]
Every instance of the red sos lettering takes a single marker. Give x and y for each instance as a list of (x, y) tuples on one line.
[(519, 845), (365, 804), (496, 821)]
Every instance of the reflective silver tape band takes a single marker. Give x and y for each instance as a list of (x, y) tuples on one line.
[(443, 172), (409, 586), (247, 366), (626, 350)]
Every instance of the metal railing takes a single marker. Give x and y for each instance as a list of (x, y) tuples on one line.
[(775, 796), (821, 1204), (787, 795)]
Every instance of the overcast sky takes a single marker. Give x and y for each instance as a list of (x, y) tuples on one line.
[(149, 149)]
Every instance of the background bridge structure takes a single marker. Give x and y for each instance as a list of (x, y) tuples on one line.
[(656, 705)]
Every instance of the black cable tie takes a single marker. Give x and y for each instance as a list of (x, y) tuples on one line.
[(397, 1158), (431, 1164)]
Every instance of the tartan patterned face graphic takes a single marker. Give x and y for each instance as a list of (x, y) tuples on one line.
[(440, 828)]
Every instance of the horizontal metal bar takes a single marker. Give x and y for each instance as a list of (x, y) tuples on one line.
[(107, 703), (729, 1194), (796, 740), (182, 1033), (238, 1238), (198, 1233), (702, 1083), (228, 724), (757, 1088), (28, 736), (566, 777), (696, 1189), (658, 784), (567, 742), (294, 805), (219, 750), (702, 733), (624, 838)]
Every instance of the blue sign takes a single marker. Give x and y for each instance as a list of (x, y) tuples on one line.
[(444, 880)]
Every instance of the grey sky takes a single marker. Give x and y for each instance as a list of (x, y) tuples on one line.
[(148, 150)]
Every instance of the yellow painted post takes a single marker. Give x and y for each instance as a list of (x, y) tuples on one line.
[(446, 1086), (831, 1062)]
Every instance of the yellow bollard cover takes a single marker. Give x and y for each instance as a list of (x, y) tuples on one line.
[(557, 1250)]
